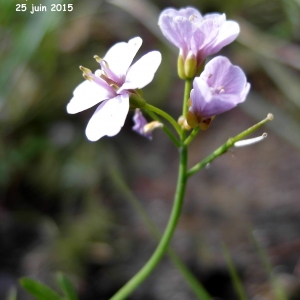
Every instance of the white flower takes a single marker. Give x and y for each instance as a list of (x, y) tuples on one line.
[(112, 85)]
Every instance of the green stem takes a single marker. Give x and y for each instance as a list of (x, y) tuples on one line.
[(162, 247), (230, 142), (165, 128), (134, 282), (187, 91), (164, 115), (192, 281), (191, 137)]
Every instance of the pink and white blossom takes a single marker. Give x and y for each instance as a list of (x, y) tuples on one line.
[(219, 88), (195, 35), (112, 85)]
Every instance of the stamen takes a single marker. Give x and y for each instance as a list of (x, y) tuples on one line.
[(89, 78), (192, 18), (104, 64), (221, 89), (114, 86), (248, 142), (86, 73), (97, 58), (85, 70)]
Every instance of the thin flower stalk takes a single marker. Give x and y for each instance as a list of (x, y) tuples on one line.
[(230, 143), (163, 245), (164, 115)]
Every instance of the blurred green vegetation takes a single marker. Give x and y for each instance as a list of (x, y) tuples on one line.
[(59, 208)]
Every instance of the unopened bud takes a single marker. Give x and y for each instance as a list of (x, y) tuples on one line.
[(190, 66), (148, 128), (181, 120), (180, 67), (186, 126)]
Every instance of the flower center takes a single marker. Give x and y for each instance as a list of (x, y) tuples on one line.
[(218, 90), (107, 74)]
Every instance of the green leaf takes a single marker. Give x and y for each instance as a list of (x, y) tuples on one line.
[(236, 281), (66, 286), (39, 290)]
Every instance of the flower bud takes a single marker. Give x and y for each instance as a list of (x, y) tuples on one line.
[(180, 67), (190, 66), (181, 120), (148, 128)]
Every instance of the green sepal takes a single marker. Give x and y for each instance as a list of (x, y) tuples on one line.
[(180, 67), (190, 67)]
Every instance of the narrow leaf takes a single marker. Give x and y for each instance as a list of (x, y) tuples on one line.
[(39, 290), (236, 281), (66, 286)]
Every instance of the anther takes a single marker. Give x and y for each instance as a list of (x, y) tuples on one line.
[(192, 18), (85, 71), (87, 77), (97, 58)]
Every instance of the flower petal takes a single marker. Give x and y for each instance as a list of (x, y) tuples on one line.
[(178, 30), (220, 72), (200, 94), (219, 104), (86, 95), (227, 34), (120, 56), (109, 118), (186, 12), (142, 72)]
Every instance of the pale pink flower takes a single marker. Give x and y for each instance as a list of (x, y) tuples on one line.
[(112, 86), (219, 88), (195, 35)]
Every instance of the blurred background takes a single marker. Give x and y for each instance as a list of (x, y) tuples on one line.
[(66, 203)]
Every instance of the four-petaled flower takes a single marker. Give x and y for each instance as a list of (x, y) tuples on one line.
[(112, 85), (195, 35), (220, 87)]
